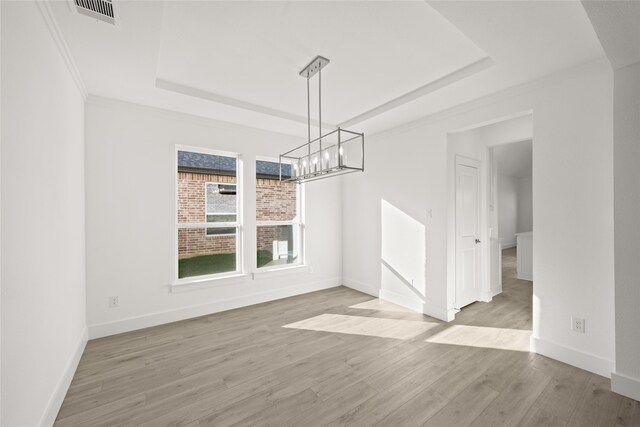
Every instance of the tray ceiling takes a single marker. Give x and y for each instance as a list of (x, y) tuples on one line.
[(391, 62), (252, 51)]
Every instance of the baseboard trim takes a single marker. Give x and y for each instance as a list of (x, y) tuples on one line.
[(60, 391), (625, 385), (402, 300), (361, 287), (154, 319), (486, 296), (416, 305), (509, 246), (582, 360)]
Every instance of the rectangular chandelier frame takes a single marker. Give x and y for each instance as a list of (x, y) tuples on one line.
[(338, 152)]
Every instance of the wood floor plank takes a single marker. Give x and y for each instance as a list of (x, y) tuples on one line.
[(514, 402), (416, 410), (254, 406), (102, 411), (322, 412), (390, 398), (465, 407), (536, 417), (362, 366), (598, 405), (79, 390), (502, 368), (327, 363), (277, 414), (563, 393), (463, 374), (189, 408), (193, 384), (339, 357), (422, 358), (629, 413)]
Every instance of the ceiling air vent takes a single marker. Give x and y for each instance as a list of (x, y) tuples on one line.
[(98, 9)]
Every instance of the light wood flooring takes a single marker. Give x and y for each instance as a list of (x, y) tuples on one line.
[(340, 357)]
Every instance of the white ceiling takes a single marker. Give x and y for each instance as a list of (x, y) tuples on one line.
[(254, 51), (617, 24), (391, 62), (514, 159)]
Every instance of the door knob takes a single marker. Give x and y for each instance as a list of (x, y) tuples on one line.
[(477, 241)]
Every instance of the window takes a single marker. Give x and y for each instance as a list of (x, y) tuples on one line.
[(278, 217), (220, 206), (208, 219)]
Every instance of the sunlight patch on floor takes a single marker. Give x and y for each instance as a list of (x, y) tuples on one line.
[(381, 305), (359, 325), (481, 336)]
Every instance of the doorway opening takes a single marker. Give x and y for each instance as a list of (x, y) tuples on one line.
[(490, 270), (513, 208)]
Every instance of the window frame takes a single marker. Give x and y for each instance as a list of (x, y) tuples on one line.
[(206, 203), (238, 224), (297, 221)]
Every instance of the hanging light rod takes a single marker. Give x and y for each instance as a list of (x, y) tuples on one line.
[(314, 67), (335, 153)]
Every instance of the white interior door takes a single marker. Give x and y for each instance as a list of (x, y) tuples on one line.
[(467, 232)]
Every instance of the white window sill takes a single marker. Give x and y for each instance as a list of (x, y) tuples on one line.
[(280, 271), (208, 282)]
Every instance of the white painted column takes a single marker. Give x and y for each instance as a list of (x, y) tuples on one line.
[(626, 157)]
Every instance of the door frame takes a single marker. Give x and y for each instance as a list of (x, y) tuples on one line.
[(475, 146), (460, 160)]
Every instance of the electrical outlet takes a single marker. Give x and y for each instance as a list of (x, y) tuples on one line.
[(577, 324), (114, 302)]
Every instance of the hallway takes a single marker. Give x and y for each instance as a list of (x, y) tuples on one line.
[(511, 309)]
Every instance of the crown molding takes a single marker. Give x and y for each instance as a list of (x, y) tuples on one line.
[(449, 79), (495, 97), (117, 104), (56, 35), (453, 77), (234, 102)]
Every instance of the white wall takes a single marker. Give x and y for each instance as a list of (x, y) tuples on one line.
[(626, 379), (572, 170), (524, 192), (130, 181), (507, 210), (0, 224), (515, 207), (43, 252)]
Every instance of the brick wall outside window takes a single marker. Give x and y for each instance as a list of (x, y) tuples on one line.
[(275, 201), (191, 208)]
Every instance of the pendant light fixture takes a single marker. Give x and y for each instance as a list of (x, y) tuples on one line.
[(338, 152)]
